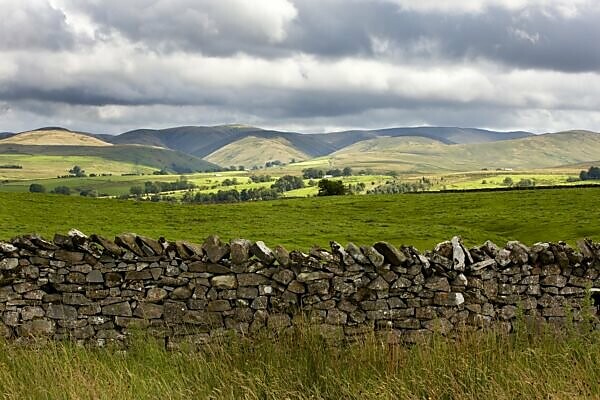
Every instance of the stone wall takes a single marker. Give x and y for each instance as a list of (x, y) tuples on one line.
[(96, 290)]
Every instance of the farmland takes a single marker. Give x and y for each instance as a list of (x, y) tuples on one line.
[(421, 220)]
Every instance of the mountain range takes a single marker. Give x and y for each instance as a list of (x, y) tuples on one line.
[(410, 149)]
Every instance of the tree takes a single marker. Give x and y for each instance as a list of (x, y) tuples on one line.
[(331, 188), (347, 171), (37, 188), (62, 190), (312, 173), (507, 181), (136, 190), (77, 171), (287, 183)]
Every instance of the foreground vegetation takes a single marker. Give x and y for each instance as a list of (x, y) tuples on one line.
[(303, 366), (418, 219)]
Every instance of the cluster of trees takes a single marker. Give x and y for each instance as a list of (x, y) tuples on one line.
[(11, 166), (525, 182), (159, 187), (331, 188), (231, 196), (314, 173), (421, 185), (273, 163), (65, 190), (287, 183), (260, 178), (591, 174)]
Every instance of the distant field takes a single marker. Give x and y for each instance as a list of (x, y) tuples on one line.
[(421, 220), (50, 166)]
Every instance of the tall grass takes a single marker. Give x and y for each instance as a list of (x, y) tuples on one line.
[(302, 365)]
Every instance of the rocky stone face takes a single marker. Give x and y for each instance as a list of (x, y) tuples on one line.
[(95, 290)]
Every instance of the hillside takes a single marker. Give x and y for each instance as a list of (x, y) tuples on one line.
[(54, 137), (252, 151), (202, 141), (135, 156), (412, 154)]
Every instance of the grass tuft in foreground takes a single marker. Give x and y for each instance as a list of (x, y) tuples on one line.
[(303, 366)]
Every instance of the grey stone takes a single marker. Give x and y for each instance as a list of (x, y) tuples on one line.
[(437, 283), (554, 280), (68, 256), (76, 299), (154, 295), (59, 311), (336, 317), (263, 253), (148, 311), (296, 287), (448, 299), (219, 305), (281, 255), (313, 276), (7, 248), (240, 250), (355, 252), (181, 293), (224, 282), (31, 312), (391, 254), (128, 241), (94, 276), (252, 279), (215, 249), (8, 264), (36, 327), (284, 276), (374, 257), (458, 254), (379, 284), (401, 283), (122, 309)]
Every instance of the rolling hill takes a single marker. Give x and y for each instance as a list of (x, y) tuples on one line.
[(202, 141), (49, 151), (419, 154), (54, 137), (252, 151)]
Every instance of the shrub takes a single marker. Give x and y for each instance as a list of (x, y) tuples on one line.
[(62, 190), (37, 188)]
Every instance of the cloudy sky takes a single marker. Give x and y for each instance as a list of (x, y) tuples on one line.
[(107, 66)]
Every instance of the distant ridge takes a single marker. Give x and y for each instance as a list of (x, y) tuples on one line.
[(204, 140), (54, 137)]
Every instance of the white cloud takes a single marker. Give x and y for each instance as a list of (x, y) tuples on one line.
[(565, 8)]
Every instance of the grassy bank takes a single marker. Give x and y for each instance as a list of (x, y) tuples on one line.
[(421, 220), (302, 366)]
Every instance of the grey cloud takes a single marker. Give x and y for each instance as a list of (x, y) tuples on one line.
[(33, 25), (336, 28)]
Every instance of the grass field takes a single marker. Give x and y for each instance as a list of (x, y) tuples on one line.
[(421, 220), (302, 366), (42, 166)]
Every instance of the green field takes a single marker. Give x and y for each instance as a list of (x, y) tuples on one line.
[(42, 166), (419, 219), (302, 365)]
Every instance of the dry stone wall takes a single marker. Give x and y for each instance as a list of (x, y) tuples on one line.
[(96, 290)]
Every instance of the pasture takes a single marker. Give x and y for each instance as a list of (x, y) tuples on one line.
[(417, 219)]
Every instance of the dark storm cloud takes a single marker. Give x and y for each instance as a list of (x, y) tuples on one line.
[(335, 28)]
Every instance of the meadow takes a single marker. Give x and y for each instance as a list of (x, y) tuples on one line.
[(302, 365), (421, 220)]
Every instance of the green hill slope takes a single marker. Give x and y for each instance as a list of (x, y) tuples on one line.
[(252, 151), (129, 157), (418, 154)]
